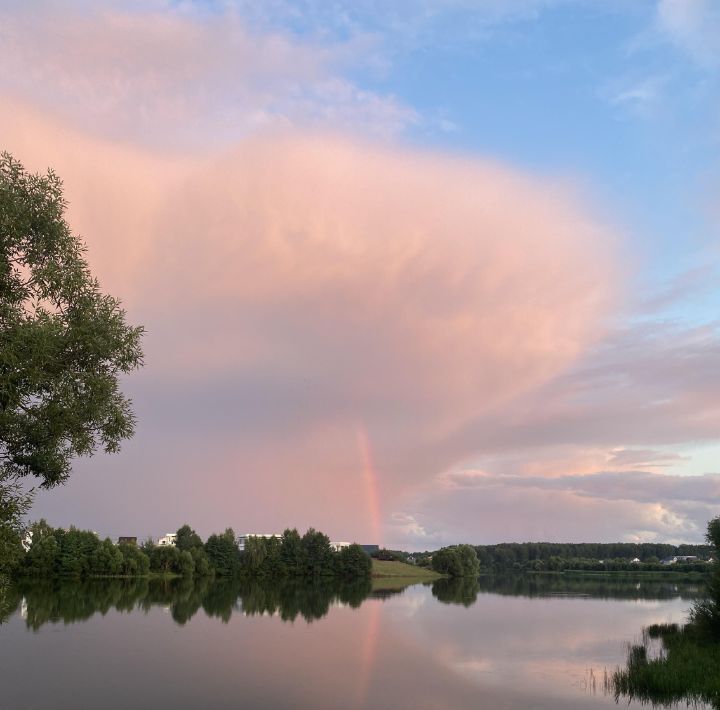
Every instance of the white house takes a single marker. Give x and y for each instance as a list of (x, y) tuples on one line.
[(337, 546), (27, 540), (168, 539)]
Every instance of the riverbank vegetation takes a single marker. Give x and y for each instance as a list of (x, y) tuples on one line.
[(54, 552), (685, 666)]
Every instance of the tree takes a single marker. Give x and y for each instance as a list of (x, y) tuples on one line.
[(42, 557), (14, 504), (319, 559), (186, 564), (353, 563), (705, 613), (254, 554), (63, 343), (165, 559), (292, 552), (135, 561), (106, 559), (187, 539), (447, 561), (456, 561), (223, 553)]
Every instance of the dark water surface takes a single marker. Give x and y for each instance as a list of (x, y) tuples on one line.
[(518, 643)]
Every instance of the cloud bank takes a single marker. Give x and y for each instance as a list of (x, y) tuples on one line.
[(296, 287)]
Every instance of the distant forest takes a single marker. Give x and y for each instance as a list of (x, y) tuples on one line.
[(552, 555)]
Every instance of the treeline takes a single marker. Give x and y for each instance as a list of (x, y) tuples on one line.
[(559, 556), (77, 553)]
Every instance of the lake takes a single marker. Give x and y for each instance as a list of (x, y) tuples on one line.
[(532, 642)]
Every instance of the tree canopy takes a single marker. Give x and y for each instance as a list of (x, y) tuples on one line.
[(63, 343), (457, 561)]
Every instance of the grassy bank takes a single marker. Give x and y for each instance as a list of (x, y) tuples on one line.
[(685, 669), (383, 569)]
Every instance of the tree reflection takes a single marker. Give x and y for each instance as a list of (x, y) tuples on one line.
[(456, 590), (596, 586), (65, 601)]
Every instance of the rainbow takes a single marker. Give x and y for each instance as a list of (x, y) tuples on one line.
[(372, 487)]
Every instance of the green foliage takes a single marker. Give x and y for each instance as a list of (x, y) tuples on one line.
[(203, 568), (686, 673), (14, 504), (77, 549), (292, 553), (223, 553), (253, 554), (188, 539), (41, 559), (272, 564), (456, 561), (705, 614), (186, 564), (80, 553), (318, 554), (135, 562), (165, 559), (713, 533), (106, 560), (353, 563), (63, 344), (598, 557)]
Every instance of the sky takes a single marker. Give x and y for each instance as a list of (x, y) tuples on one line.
[(412, 273)]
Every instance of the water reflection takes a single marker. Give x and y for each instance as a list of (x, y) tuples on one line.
[(456, 591), (491, 643), (69, 601), (636, 587)]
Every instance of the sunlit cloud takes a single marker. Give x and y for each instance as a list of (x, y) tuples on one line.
[(172, 76), (312, 282)]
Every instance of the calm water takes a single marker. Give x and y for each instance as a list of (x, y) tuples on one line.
[(503, 644)]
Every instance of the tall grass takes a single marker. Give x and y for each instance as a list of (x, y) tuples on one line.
[(685, 668)]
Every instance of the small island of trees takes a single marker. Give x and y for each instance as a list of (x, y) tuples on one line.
[(456, 561)]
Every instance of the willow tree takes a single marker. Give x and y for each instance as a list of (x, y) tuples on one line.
[(64, 344)]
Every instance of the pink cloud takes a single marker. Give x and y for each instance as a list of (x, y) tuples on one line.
[(298, 285), (171, 75)]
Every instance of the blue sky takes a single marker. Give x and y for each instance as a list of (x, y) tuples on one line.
[(623, 96)]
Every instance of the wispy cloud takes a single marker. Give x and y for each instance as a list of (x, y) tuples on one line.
[(168, 76), (694, 27)]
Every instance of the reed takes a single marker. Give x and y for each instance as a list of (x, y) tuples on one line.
[(672, 664)]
